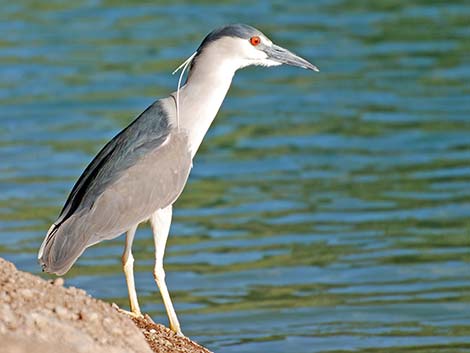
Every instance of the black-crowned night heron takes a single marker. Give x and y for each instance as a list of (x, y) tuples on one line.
[(141, 172)]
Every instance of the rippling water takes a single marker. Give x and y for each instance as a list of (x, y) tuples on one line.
[(325, 212)]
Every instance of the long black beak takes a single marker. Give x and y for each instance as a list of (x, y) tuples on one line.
[(284, 56)]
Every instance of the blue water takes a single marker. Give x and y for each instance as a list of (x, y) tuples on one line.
[(325, 212)]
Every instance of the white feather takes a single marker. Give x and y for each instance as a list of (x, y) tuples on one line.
[(183, 66)]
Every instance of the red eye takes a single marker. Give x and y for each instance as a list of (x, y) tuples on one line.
[(255, 41)]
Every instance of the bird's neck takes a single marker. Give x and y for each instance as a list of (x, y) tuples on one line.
[(201, 97)]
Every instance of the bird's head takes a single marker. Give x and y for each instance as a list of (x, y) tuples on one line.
[(240, 45)]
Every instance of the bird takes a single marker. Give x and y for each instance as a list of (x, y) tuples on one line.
[(138, 175)]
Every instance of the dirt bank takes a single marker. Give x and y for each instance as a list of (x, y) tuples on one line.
[(41, 316)]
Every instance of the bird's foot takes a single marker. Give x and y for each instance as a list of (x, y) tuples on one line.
[(134, 314), (176, 329), (179, 333)]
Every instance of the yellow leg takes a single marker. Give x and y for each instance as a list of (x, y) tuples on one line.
[(161, 221), (128, 265)]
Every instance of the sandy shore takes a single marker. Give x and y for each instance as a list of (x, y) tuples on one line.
[(43, 316)]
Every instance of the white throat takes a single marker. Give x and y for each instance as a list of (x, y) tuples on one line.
[(201, 97)]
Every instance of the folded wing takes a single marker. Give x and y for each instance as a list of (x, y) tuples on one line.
[(144, 168)]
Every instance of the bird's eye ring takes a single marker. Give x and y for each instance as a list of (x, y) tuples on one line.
[(255, 41)]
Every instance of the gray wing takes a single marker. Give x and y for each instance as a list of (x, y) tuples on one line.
[(144, 168), (146, 133)]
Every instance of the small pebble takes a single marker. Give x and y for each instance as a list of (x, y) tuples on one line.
[(26, 293), (40, 320), (58, 282), (78, 291), (61, 312), (87, 315)]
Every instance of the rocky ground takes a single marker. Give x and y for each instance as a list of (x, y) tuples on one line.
[(41, 316)]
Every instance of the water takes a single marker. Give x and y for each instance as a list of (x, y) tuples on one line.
[(325, 212)]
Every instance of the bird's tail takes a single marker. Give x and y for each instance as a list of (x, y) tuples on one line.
[(60, 249)]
